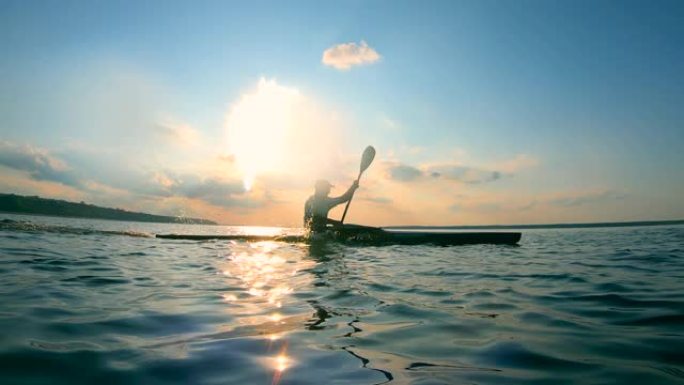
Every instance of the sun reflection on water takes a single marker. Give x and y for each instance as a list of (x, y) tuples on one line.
[(279, 364), (269, 274), (282, 362), (276, 317)]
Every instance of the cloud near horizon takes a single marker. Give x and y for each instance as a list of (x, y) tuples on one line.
[(221, 193), (393, 193), (587, 198), (104, 187), (38, 163), (346, 55)]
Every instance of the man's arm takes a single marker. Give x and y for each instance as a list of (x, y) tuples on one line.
[(346, 196)]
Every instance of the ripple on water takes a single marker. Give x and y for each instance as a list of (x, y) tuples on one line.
[(661, 322), (518, 356), (142, 325), (95, 280)]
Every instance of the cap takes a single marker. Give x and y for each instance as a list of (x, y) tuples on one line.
[(322, 184)]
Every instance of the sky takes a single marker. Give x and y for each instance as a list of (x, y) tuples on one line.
[(481, 112)]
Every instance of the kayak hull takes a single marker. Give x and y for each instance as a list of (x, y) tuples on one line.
[(375, 237), (447, 239)]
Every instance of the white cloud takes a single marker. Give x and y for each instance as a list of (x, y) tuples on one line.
[(346, 55), (178, 133)]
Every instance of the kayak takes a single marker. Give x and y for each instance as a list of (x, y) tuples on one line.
[(362, 235)]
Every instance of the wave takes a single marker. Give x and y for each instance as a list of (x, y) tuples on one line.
[(31, 227)]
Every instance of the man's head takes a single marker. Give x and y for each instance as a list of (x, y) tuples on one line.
[(322, 187)]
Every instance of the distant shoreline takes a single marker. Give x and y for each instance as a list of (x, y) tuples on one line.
[(544, 226), (34, 205), (179, 222)]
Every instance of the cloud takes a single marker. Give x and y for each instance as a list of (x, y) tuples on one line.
[(18, 183), (102, 183), (588, 198), (459, 172), (404, 173), (178, 133), (215, 191), (344, 56), (38, 163), (464, 174), (476, 206), (374, 199), (470, 175), (163, 180)]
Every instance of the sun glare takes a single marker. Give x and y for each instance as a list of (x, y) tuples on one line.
[(258, 127), (276, 130)]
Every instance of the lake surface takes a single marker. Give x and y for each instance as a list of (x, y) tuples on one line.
[(87, 301)]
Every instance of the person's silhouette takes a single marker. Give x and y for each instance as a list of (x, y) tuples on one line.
[(319, 204)]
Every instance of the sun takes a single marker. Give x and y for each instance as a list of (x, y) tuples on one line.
[(277, 131), (258, 127)]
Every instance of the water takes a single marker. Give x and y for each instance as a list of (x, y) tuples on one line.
[(85, 301)]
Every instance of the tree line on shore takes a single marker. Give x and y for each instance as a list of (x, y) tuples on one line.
[(13, 203)]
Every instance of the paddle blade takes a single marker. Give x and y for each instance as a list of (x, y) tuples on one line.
[(367, 158)]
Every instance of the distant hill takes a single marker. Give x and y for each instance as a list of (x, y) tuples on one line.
[(12, 203)]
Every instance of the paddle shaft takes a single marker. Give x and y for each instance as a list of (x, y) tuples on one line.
[(350, 199)]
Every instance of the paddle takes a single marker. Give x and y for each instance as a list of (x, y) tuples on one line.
[(366, 160)]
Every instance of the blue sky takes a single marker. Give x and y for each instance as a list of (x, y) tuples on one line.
[(576, 105)]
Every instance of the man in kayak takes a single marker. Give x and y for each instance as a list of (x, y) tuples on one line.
[(318, 205)]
